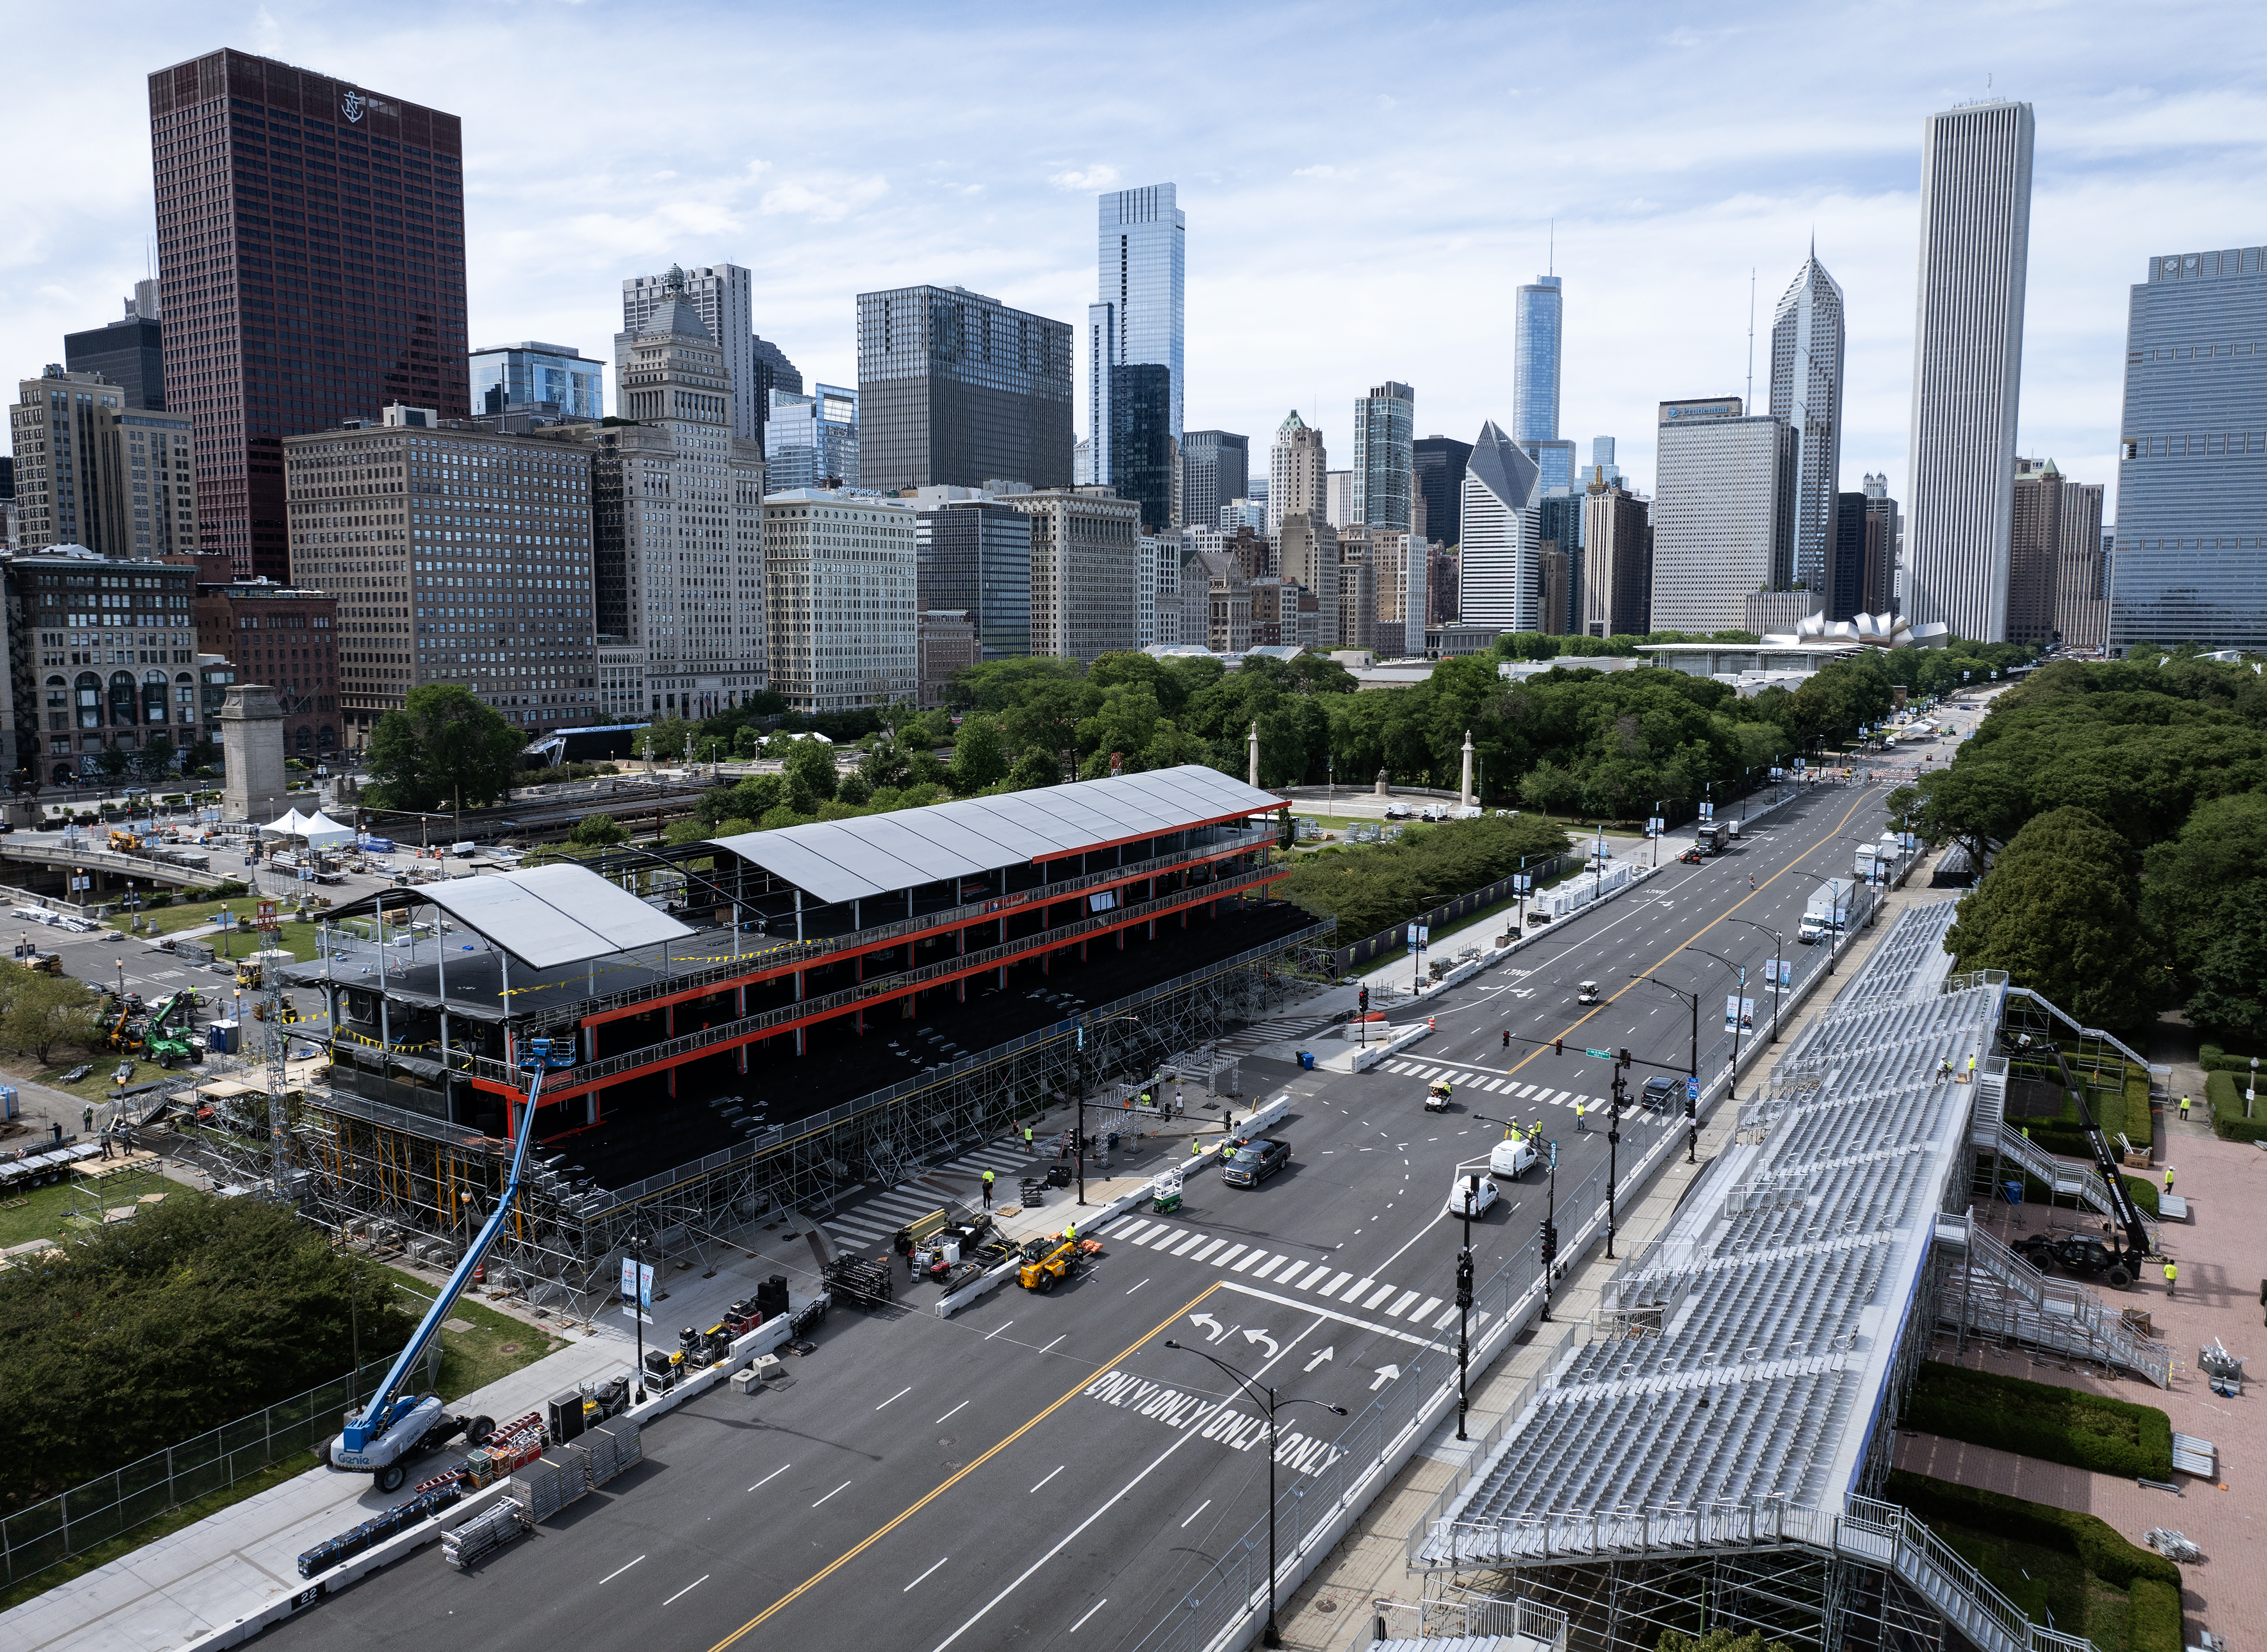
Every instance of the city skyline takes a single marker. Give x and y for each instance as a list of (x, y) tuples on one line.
[(1657, 236)]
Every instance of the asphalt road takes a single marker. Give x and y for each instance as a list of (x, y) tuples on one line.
[(1005, 1477)]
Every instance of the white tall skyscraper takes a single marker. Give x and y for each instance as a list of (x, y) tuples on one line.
[(1723, 512), (723, 294), (1138, 317), (1805, 391), (1500, 573), (1298, 473), (1968, 365)]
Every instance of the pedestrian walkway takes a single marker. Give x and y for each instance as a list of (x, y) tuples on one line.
[(1275, 1030), (1481, 1083), (1280, 1270)]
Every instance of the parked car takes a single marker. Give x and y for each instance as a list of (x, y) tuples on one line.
[(1471, 1194), (1253, 1162)]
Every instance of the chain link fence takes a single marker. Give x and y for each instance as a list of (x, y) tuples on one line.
[(111, 1505)]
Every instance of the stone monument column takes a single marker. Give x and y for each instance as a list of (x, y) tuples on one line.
[(251, 752)]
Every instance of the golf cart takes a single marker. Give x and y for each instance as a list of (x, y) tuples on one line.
[(1436, 1095), (1587, 993)]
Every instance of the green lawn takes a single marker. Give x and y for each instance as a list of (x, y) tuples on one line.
[(496, 1346), (299, 939)]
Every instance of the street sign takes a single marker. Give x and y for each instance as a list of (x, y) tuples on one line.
[(1707, 811), (1603, 1056), (1692, 1089)]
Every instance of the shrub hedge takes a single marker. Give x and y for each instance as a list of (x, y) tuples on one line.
[(2056, 1425), (2154, 1624), (2225, 1096), (2097, 1544)]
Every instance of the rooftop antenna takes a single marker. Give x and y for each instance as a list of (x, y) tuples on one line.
[(1550, 260), (1751, 340)]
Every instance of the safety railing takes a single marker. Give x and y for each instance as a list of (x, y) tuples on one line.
[(1471, 1614), (1995, 1291), (891, 985)]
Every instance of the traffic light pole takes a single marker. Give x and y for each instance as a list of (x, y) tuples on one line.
[(1549, 1231), (1463, 1317), (1613, 1150)]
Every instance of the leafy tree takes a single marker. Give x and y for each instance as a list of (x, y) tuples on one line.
[(1717, 1640), (204, 752), (854, 789), (113, 763), (1034, 768), (597, 832), (1367, 887), (980, 756), (155, 761), (2222, 851), (50, 1010), (2229, 972), (2059, 913), (810, 772), (195, 1313), (442, 746)]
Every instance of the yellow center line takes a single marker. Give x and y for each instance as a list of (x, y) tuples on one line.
[(850, 1554), (1513, 1070)]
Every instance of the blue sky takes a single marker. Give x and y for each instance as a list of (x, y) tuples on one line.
[(1365, 184)]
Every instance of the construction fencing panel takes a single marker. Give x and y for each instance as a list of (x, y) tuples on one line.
[(1393, 938), (110, 1506)]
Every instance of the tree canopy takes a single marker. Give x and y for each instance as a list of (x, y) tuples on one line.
[(442, 747)]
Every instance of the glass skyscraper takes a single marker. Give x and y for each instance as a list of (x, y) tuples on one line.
[(1215, 468), (1439, 462), (1142, 453), (2191, 558), (527, 374), (956, 389), (1384, 428), (1536, 326), (1805, 391), (975, 557), (1139, 314), (811, 441)]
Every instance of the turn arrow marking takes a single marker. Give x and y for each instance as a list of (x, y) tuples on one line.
[(1207, 1319), (1385, 1374), (1261, 1336), (1319, 1358)]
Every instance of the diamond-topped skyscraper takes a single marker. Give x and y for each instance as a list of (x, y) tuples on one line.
[(1805, 391)]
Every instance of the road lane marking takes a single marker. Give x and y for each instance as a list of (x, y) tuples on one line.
[(1340, 1279), (841, 1487), (1067, 1334), (618, 1570), (1427, 1305), (1322, 1270), (1188, 1244), (1232, 1252), (1090, 1610), (1273, 1264), (893, 1398), (1194, 1513), (1249, 1260), (1402, 1306), (1051, 1473), (954, 1411), (909, 1587), (1394, 1332), (1208, 1250), (783, 1467), (1002, 1328), (947, 1483), (688, 1588), (1137, 1288)]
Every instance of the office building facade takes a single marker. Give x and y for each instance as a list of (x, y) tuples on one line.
[(1500, 579), (724, 297), (1845, 588), (2054, 559), (974, 557), (811, 441), (552, 380), (1384, 432), (1298, 473), (92, 469), (287, 638), (1439, 462), (1723, 513), (310, 260), (104, 659), (946, 640), (1304, 551), (1602, 462), (1537, 326), (130, 352), (1085, 571), (1884, 544), (2190, 561), (772, 372), (843, 572), (453, 556), (1215, 473), (956, 389), (1138, 317), (1554, 462), (1144, 458), (1805, 391), (1968, 365), (1617, 554)]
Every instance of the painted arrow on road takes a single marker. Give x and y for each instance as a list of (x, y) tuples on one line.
[(1261, 1336), (1207, 1319), (1385, 1374), (1319, 1358)]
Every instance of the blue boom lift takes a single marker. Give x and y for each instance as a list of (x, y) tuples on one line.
[(396, 1426)]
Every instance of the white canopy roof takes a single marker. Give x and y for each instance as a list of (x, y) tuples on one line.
[(321, 829), (292, 823), (547, 916)]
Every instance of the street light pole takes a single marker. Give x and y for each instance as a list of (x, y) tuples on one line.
[(1271, 1635), (1613, 1152), (1692, 1068), (1779, 959)]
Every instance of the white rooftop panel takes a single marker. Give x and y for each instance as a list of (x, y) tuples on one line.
[(617, 916), (552, 915)]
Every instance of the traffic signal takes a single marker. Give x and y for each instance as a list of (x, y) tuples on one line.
[(1625, 1058), (1550, 1243), (1557, 1046), (1465, 1280), (1362, 999), (1692, 1106)]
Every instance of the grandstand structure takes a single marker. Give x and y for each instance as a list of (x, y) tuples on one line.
[(1712, 1454), (769, 1019)]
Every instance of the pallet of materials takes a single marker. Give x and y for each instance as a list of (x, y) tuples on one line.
[(484, 1533), (428, 1501), (612, 1446), (552, 1482)]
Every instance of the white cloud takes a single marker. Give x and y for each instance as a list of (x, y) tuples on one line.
[(1665, 194), (1096, 179)]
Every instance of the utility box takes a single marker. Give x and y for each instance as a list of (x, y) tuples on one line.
[(566, 1416)]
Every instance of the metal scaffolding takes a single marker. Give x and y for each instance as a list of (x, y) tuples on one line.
[(386, 1176)]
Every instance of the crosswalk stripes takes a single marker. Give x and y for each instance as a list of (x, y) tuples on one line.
[(1274, 1030), (1321, 1279)]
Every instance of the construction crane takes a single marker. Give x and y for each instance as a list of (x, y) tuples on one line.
[(161, 1042), (395, 1425), (2127, 1213)]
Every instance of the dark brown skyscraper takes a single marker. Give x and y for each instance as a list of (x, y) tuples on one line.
[(310, 262)]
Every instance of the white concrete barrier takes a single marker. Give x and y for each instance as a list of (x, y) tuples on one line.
[(1365, 1060)]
